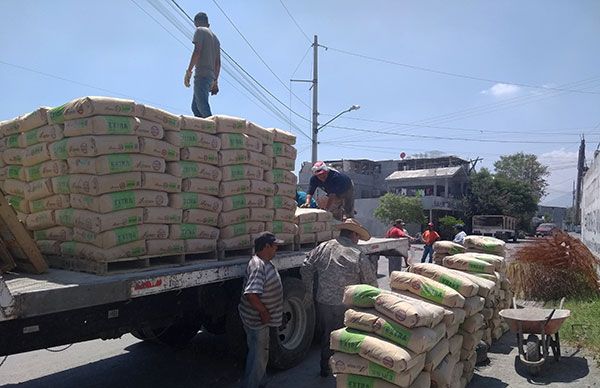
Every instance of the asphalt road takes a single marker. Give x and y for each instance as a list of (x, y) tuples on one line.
[(129, 362)]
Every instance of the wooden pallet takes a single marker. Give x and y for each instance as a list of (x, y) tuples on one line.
[(225, 254), (289, 247), (307, 246), (6, 260)]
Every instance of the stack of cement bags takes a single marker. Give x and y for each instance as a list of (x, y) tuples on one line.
[(442, 249), (283, 202), (314, 225), (387, 339)]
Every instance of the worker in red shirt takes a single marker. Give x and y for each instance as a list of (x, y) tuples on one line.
[(397, 231), (429, 236)]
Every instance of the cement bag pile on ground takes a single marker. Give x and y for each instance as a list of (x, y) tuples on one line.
[(244, 189), (442, 249), (314, 225), (485, 244)]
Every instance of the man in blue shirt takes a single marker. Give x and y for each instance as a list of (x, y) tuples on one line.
[(301, 199), (337, 185)]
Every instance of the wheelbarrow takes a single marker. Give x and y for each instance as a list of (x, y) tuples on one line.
[(536, 322)]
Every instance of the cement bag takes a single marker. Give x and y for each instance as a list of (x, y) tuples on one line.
[(452, 330), (193, 231), (186, 169), (200, 185), (161, 182), (345, 380), (281, 202), (360, 295), (472, 323), (241, 171), (49, 247), (485, 244), (10, 142), (284, 151), (497, 333), (195, 201), (491, 278), (419, 340), (284, 163), (202, 155), (193, 139), (374, 349), (90, 106), (434, 357), (15, 187), (111, 164), (470, 341), (164, 247), (448, 247), (445, 276), (352, 364), (467, 263), (61, 184), (306, 238), (113, 125), (159, 148), (41, 220), (36, 154), (455, 344), (250, 227), (45, 134), (20, 204), (47, 169), (260, 160), (96, 222), (229, 124), (325, 235), (198, 124), (423, 380), (313, 227), (200, 245), (200, 216), (243, 201), (452, 315), (486, 287), (234, 217), (288, 238), (53, 202), (25, 122), (13, 156), (498, 261), (281, 176), (444, 375), (102, 145), (234, 243), (469, 363), (285, 190), (102, 184), (119, 201), (260, 214), (426, 288), (120, 236), (93, 253), (166, 119), (304, 215), (473, 305), (162, 215), (408, 312), (323, 215), (438, 258), (487, 313), (245, 186), (259, 132), (281, 136), (56, 233), (239, 141), (268, 150), (15, 172), (58, 149), (229, 157), (38, 189)]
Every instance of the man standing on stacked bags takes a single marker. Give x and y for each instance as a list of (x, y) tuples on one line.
[(338, 263)]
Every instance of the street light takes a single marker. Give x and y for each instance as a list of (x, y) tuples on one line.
[(318, 128)]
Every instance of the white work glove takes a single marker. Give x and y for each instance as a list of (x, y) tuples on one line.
[(187, 78)]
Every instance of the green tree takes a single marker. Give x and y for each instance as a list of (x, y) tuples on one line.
[(392, 207), (524, 168), (446, 226)]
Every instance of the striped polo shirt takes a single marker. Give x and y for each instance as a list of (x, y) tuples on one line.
[(263, 279)]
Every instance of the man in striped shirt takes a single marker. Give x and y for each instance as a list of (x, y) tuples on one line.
[(261, 307)]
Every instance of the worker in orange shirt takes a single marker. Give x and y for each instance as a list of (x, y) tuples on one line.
[(429, 236)]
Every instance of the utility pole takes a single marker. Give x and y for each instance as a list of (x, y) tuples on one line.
[(578, 189), (315, 111)]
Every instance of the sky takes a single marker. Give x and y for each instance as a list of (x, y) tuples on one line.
[(466, 78)]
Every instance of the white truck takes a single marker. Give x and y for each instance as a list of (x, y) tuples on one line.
[(165, 305), (502, 227)]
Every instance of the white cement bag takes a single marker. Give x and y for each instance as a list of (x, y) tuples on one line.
[(455, 344), (120, 236), (229, 157), (452, 315), (242, 171), (36, 154), (56, 233), (38, 189), (281, 176), (239, 141), (467, 263), (198, 124), (47, 169), (255, 130), (45, 134), (498, 261), (451, 330), (325, 235), (473, 305), (25, 122), (193, 231), (435, 356), (202, 155), (314, 227), (97, 222), (13, 156), (361, 295), (448, 247), (200, 185), (234, 217), (41, 220), (161, 182), (426, 288), (200, 245), (166, 119), (162, 215), (485, 244), (10, 142), (268, 150), (279, 227), (90, 106), (102, 145), (260, 214), (304, 215), (250, 227), (234, 243), (193, 139), (470, 341), (260, 160), (281, 202), (281, 136), (200, 216), (447, 277), (285, 190), (113, 125), (284, 215), (49, 247), (472, 323), (282, 150), (486, 287), (93, 253), (15, 187), (53, 202), (229, 124), (58, 149), (407, 311), (186, 169), (195, 201), (245, 186), (159, 148), (164, 247), (98, 185), (119, 201), (14, 172), (116, 163), (243, 201), (444, 375)]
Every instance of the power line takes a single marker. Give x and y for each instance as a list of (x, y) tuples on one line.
[(447, 73), (295, 22)]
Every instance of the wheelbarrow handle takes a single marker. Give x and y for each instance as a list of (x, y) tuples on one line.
[(549, 317)]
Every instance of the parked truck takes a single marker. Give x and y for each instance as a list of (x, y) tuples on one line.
[(502, 227), (164, 305)]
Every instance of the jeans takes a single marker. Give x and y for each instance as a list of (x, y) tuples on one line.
[(332, 318), (200, 105), (348, 200), (427, 250), (395, 263), (257, 358)]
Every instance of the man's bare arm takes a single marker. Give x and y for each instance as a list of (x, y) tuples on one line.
[(265, 316), (193, 60)]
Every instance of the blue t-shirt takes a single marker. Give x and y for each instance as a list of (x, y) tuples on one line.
[(301, 199), (336, 183)]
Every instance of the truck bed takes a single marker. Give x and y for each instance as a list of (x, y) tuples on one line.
[(26, 295)]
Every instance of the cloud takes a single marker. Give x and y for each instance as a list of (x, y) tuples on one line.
[(502, 90)]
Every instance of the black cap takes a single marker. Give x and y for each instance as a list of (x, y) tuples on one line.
[(267, 238)]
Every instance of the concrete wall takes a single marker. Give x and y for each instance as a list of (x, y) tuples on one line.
[(590, 207), (364, 213)]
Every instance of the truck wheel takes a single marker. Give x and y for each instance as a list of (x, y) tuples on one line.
[(291, 341)]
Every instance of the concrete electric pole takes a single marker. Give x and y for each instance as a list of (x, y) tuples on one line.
[(315, 112)]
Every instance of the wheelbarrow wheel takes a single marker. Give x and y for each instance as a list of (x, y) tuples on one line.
[(532, 353)]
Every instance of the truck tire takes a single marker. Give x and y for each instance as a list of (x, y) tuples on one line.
[(291, 341)]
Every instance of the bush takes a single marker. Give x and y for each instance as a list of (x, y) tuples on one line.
[(446, 227)]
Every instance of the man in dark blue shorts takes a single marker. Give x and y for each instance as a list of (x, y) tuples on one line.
[(336, 184)]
